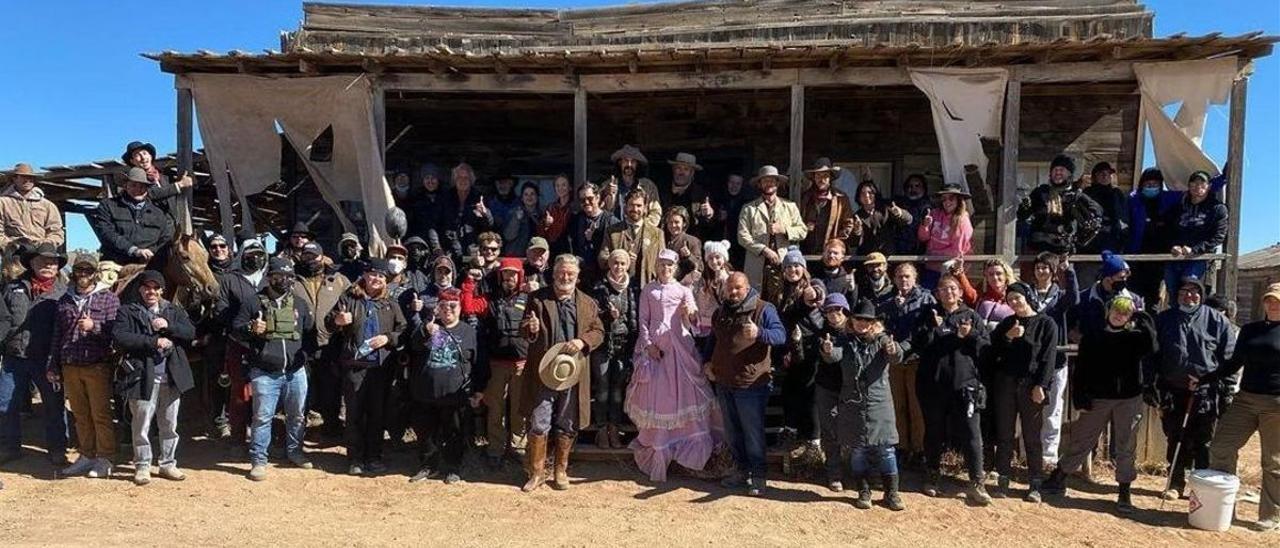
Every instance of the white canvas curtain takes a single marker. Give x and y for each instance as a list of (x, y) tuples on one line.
[(968, 105), (1177, 140), (239, 116)]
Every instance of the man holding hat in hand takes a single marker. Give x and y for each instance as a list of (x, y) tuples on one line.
[(563, 326), (130, 225), (25, 213)]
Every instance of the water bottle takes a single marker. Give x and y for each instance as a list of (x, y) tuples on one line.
[(365, 349)]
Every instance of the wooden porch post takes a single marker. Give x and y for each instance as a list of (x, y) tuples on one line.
[(185, 153), (796, 168), (1235, 184), (579, 135), (1007, 212)]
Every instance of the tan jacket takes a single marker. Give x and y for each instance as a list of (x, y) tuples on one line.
[(753, 233), (31, 217), (651, 242)]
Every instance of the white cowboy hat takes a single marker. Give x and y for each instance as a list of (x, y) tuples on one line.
[(559, 369), (769, 171), (686, 159)]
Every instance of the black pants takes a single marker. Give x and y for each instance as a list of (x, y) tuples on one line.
[(364, 392), (325, 391), (799, 410), (609, 377), (946, 419), (1195, 438), (1146, 279), (440, 422), (1014, 406), (217, 396)]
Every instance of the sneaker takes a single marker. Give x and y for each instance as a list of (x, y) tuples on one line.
[(258, 472), (172, 473), (977, 495), (1267, 526), (101, 469), (931, 484), (376, 467), (81, 467), (1002, 483), (142, 475), (1171, 494), (356, 469), (836, 486), (425, 473), (301, 461), (452, 479), (863, 502), (755, 487), (1033, 496)]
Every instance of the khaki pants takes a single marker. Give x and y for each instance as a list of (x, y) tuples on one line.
[(88, 390), (504, 381), (1247, 414), (906, 406)]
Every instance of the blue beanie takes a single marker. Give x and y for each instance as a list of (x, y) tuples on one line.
[(793, 257), (1112, 264)]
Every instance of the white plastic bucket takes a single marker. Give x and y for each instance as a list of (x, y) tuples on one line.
[(1212, 497)]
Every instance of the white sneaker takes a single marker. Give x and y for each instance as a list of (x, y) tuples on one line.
[(101, 468), (82, 466)]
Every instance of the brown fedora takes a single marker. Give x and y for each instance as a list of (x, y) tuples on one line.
[(628, 151)]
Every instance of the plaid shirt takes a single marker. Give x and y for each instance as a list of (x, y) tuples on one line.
[(70, 345)]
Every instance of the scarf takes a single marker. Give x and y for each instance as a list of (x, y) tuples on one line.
[(40, 287), (618, 285)]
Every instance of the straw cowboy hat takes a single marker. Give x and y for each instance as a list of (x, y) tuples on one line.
[(822, 165), (769, 171), (130, 148), (559, 369), (628, 151), (686, 159)]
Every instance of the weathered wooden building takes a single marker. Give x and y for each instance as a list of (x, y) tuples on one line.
[(1256, 271)]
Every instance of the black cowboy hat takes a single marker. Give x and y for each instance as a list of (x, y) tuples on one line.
[(151, 276), (45, 249), (953, 188), (135, 145), (301, 228), (865, 310)]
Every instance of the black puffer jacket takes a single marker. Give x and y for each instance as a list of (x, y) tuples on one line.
[(949, 363), (122, 228), (26, 322)]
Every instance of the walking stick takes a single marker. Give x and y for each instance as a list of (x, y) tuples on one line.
[(1177, 449)]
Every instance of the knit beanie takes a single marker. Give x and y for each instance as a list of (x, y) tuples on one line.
[(1112, 264), (720, 248), (793, 257), (1064, 161)]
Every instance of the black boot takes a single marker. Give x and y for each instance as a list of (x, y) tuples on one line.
[(863, 502), (931, 484), (1056, 484), (1124, 504), (891, 497)]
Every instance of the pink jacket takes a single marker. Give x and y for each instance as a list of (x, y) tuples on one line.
[(942, 240)]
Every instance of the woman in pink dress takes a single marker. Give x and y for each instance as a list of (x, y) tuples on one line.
[(669, 399)]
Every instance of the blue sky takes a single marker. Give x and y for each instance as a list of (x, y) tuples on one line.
[(76, 89)]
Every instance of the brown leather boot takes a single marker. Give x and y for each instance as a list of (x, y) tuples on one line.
[(615, 438), (535, 462), (602, 437), (564, 444)]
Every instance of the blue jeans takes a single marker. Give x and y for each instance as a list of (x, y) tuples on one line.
[(1175, 271), (289, 390), (873, 458), (744, 426), (16, 377)]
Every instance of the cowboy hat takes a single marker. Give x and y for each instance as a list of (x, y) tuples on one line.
[(769, 171), (137, 175), (23, 170), (132, 147), (821, 165), (953, 188), (45, 249), (686, 159), (302, 228), (559, 369), (628, 151)]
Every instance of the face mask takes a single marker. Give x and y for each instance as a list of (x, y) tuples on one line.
[(397, 266), (310, 268), (1188, 308), (402, 189), (253, 263), (1119, 285), (350, 253), (1150, 192), (282, 286), (418, 256)]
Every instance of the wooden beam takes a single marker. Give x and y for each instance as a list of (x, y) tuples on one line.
[(1007, 211), (185, 120), (512, 83), (579, 136), (796, 167), (1235, 182)]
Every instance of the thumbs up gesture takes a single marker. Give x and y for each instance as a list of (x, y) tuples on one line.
[(751, 330), (257, 326), (1016, 331), (159, 324), (481, 209), (937, 319), (85, 323), (928, 220), (417, 303), (892, 347), (826, 346), (705, 208), (966, 327), (431, 326), (343, 317), (534, 326), (548, 218)]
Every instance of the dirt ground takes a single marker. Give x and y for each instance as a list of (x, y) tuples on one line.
[(608, 504)]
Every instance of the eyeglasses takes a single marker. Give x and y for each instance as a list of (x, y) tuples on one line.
[(489, 249), (217, 246)]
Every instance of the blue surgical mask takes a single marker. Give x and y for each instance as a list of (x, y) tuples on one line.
[(1150, 192)]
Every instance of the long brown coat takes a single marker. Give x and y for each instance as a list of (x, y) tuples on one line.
[(542, 305), (840, 217)]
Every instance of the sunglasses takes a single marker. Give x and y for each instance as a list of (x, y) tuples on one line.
[(489, 249), (217, 246)]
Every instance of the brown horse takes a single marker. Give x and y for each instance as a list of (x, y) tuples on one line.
[(189, 282)]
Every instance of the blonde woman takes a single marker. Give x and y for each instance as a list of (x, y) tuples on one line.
[(946, 231)]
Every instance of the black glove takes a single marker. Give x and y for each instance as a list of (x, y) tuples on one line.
[(1151, 396)]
